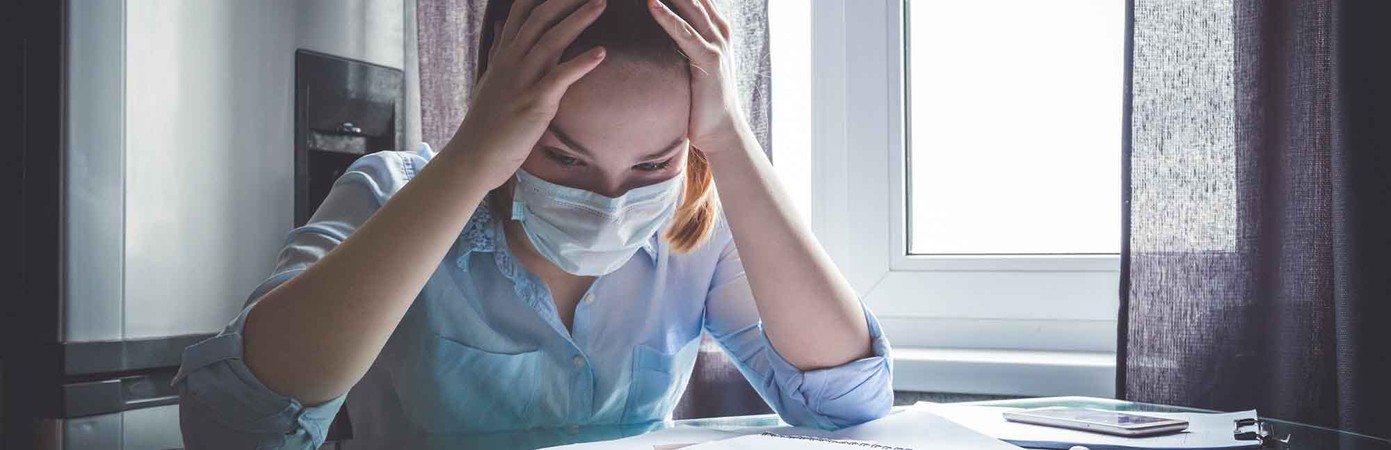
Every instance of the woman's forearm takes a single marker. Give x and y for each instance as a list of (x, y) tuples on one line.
[(809, 311), (315, 336)]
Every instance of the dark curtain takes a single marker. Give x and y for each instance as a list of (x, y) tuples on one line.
[(1257, 268), (448, 38)]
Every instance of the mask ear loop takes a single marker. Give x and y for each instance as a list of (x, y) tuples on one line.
[(517, 206)]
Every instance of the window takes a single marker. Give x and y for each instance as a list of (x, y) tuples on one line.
[(1014, 126), (964, 174), (789, 43)]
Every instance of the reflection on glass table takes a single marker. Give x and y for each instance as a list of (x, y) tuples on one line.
[(1296, 436)]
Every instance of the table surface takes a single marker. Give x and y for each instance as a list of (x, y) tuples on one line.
[(1296, 436)]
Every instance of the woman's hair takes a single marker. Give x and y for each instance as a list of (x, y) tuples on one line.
[(629, 34)]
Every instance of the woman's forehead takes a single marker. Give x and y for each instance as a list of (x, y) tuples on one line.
[(625, 107)]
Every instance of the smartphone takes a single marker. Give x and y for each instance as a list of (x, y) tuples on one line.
[(1098, 421)]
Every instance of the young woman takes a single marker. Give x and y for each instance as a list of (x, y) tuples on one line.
[(555, 264)]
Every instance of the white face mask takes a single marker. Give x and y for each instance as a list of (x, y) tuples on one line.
[(588, 234)]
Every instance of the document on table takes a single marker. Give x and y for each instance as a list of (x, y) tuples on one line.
[(777, 442), (919, 429), (667, 439), (913, 429), (1205, 431)]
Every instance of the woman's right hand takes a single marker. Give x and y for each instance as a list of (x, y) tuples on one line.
[(518, 95)]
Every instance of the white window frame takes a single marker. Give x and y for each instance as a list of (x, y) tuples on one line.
[(995, 324)]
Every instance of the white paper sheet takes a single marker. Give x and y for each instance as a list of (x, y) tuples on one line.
[(1205, 431), (762, 442), (664, 439), (912, 429), (921, 430)]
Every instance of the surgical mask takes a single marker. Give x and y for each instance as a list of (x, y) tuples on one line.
[(588, 234)]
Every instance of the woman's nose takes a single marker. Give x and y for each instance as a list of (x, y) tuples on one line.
[(610, 187)]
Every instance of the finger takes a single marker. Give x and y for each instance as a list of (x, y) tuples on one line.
[(542, 19), (567, 73), (554, 42), (686, 37), (497, 41), (712, 7), (695, 14), (521, 9)]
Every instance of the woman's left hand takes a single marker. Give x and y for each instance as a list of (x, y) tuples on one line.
[(703, 34)]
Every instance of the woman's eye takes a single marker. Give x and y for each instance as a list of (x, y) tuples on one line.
[(653, 166), (562, 159)]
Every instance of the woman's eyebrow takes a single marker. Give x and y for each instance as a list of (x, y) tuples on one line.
[(570, 142), (565, 139), (666, 151)]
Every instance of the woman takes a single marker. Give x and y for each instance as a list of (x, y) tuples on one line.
[(554, 264)]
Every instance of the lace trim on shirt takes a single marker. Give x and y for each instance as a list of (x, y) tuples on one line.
[(484, 234), (479, 235)]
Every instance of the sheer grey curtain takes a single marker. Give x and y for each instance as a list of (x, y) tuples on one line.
[(448, 52), (1258, 187), (448, 39)]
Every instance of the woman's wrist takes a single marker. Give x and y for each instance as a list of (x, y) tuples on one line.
[(739, 138), (477, 160), (733, 153), (467, 165)]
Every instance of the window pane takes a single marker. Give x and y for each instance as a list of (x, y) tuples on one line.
[(789, 39), (1015, 126)]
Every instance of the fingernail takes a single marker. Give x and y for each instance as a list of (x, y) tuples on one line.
[(599, 54)]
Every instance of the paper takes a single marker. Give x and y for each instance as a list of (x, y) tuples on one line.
[(921, 430), (671, 438), (912, 429), (1205, 431), (762, 442)]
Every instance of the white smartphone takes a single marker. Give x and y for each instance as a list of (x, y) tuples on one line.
[(1098, 421)]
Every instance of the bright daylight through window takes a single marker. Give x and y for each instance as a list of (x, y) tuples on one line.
[(1014, 126)]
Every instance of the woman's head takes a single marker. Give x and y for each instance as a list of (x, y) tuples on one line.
[(624, 124)]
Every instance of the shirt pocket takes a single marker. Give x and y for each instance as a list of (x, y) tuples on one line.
[(658, 380), (456, 388)]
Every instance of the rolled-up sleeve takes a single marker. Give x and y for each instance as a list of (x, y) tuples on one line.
[(221, 403), (829, 398)]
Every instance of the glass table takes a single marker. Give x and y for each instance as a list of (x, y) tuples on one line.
[(1294, 436)]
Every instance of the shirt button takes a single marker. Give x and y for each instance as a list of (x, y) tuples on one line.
[(588, 298), (579, 362)]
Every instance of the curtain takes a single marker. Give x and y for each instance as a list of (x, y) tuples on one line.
[(448, 52), (448, 38), (1257, 264)]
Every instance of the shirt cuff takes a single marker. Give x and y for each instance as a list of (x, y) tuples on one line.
[(218, 391), (849, 394)]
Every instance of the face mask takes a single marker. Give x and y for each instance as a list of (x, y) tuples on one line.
[(588, 234)]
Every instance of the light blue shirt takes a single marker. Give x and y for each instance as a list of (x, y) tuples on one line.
[(483, 349)]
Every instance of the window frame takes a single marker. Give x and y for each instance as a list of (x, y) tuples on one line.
[(985, 303)]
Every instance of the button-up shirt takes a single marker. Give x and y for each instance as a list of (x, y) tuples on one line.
[(482, 347)]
